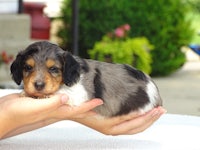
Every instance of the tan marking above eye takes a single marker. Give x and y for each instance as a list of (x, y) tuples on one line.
[(50, 63), (30, 62)]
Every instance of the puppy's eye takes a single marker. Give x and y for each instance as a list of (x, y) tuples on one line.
[(28, 68), (53, 69)]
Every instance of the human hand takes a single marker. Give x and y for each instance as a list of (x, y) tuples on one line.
[(22, 114), (121, 125)]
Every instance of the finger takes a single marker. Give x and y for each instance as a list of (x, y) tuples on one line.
[(124, 118), (72, 112), (145, 126), (43, 105), (140, 123), (87, 106)]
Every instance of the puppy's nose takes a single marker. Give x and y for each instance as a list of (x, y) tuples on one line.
[(39, 85)]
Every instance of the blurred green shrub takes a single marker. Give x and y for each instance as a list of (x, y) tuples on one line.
[(118, 47), (162, 22)]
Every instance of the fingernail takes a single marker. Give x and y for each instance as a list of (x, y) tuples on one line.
[(100, 102), (64, 99)]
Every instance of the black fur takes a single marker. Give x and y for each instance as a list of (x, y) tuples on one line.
[(140, 99), (17, 68), (99, 87), (71, 72), (135, 73), (84, 66), (71, 69), (122, 88), (18, 64)]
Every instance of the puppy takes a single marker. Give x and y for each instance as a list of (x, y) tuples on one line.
[(46, 69)]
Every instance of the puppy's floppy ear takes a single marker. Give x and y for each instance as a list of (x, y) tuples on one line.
[(16, 69), (71, 70)]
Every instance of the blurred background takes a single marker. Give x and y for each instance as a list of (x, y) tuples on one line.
[(161, 38)]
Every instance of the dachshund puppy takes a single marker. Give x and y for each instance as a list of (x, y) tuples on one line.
[(46, 69)]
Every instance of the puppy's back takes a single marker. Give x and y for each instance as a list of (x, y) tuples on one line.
[(122, 88)]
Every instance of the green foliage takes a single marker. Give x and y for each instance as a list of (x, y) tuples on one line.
[(65, 32), (162, 22), (195, 5), (194, 15), (132, 51)]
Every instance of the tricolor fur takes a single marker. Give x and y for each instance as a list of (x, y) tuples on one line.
[(46, 69)]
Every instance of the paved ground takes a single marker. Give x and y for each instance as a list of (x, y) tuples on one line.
[(181, 90)]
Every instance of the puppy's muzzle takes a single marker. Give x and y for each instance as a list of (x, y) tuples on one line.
[(39, 85)]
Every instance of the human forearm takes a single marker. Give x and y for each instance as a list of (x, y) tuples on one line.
[(12, 123), (29, 127), (5, 126), (23, 114)]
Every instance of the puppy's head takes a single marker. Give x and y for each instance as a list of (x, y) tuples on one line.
[(44, 67)]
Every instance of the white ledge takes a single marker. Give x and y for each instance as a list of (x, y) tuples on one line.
[(170, 132)]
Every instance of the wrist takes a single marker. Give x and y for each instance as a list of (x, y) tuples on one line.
[(8, 122), (6, 126)]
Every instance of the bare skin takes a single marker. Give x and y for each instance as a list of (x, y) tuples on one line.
[(23, 114)]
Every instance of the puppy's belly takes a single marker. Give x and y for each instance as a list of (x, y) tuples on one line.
[(77, 94)]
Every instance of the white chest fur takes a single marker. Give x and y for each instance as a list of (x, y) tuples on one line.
[(77, 94)]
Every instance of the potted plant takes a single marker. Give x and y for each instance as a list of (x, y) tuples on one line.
[(118, 47)]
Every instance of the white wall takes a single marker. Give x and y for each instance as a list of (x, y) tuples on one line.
[(53, 6)]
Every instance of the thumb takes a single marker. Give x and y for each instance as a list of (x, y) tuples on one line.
[(47, 104), (55, 101)]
